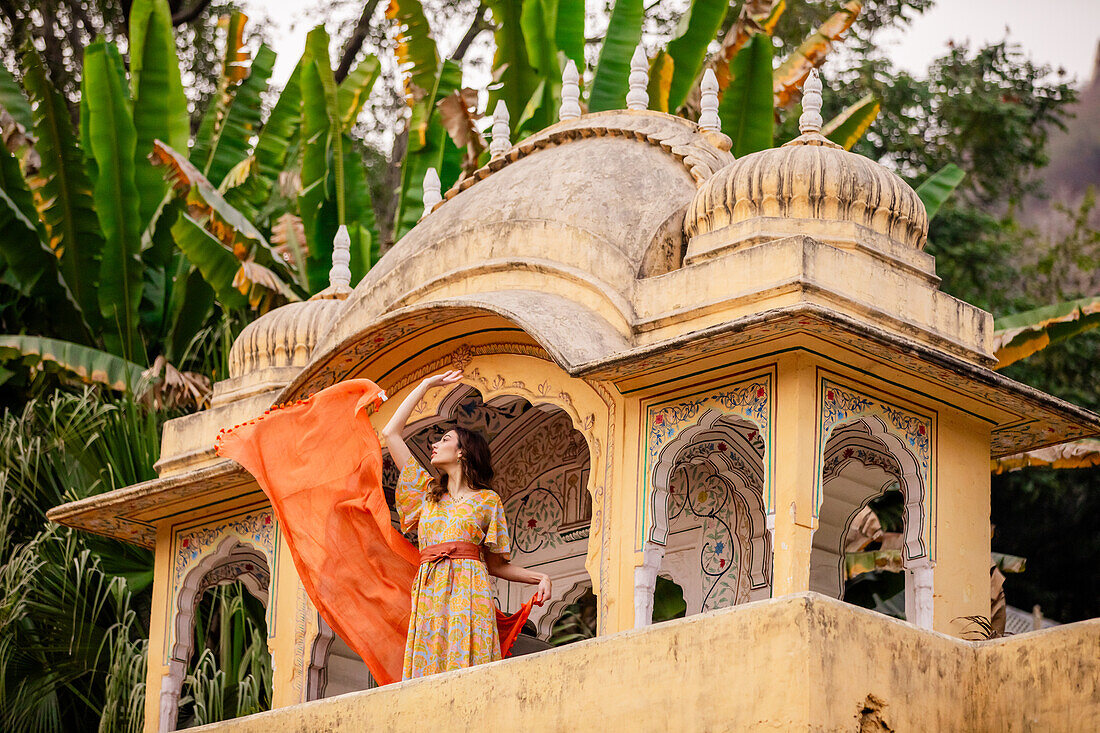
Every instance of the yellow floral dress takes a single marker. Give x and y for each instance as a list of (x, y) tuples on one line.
[(453, 620)]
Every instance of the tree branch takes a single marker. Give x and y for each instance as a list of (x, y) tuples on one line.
[(186, 16), (478, 25), (355, 42)]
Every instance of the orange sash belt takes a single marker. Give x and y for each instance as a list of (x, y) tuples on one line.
[(457, 550)]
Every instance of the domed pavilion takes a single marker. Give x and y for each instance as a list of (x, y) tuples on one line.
[(688, 367)]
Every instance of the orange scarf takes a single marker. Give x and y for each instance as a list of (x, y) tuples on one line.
[(320, 464)]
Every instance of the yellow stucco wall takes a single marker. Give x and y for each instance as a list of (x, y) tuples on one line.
[(801, 663)]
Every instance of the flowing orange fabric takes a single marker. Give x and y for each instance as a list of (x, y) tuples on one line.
[(320, 464)]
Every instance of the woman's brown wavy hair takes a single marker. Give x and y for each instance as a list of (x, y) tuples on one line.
[(477, 468)]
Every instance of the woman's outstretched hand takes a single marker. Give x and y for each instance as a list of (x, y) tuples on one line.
[(452, 377), (542, 594)]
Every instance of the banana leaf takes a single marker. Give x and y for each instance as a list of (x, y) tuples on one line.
[(848, 127), (355, 89), (113, 142), (438, 152), (22, 238), (694, 32), (276, 145), (754, 17), (569, 35), (322, 142), (192, 302), (514, 78), (233, 136), (538, 22), (1022, 334), (748, 116), (160, 106), (938, 187), (89, 364), (12, 99), (62, 185), (416, 51), (811, 53), (660, 81), (221, 220), (217, 263), (1084, 453), (234, 69), (612, 80)]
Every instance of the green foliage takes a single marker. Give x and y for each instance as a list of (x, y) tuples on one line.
[(696, 29), (624, 32), (746, 108), (113, 142), (230, 671), (938, 187), (70, 623)]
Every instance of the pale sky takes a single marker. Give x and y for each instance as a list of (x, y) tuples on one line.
[(1060, 33)]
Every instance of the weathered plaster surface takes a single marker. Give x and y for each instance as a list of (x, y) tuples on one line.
[(801, 663)]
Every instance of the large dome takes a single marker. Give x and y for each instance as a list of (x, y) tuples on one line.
[(582, 209), (810, 184)]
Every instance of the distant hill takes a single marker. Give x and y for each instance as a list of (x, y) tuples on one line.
[(1075, 152)]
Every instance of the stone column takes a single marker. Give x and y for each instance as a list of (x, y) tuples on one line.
[(791, 511)]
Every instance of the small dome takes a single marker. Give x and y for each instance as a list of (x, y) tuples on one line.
[(810, 186), (284, 337)]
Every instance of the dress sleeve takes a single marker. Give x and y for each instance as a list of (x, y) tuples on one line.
[(496, 534), (412, 487)]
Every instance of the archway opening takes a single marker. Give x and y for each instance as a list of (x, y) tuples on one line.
[(869, 519), (228, 671), (709, 515), (541, 464)]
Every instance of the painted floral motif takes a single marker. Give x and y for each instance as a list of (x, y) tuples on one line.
[(698, 495), (866, 456), (748, 400), (840, 404), (256, 529), (535, 518)]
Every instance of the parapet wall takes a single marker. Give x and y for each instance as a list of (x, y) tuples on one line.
[(800, 663)]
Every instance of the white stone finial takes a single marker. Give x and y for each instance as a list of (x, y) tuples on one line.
[(638, 97), (708, 117), (340, 274), (500, 145), (433, 191), (570, 92), (811, 121)]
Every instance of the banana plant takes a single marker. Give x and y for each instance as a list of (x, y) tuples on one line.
[(534, 40), (81, 233)]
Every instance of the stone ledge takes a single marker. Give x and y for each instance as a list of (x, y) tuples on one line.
[(800, 663)]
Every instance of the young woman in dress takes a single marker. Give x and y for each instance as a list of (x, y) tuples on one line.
[(463, 539)]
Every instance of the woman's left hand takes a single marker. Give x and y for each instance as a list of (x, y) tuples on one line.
[(543, 593)]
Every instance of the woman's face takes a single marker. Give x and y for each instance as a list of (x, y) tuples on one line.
[(445, 451)]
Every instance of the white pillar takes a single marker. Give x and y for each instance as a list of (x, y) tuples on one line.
[(918, 592), (500, 144), (570, 93), (638, 97), (645, 583)]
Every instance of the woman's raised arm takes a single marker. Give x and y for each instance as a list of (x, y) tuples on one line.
[(399, 451)]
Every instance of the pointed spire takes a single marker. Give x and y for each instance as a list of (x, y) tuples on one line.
[(811, 121), (432, 191), (570, 92), (638, 97), (708, 116), (500, 145), (339, 277)]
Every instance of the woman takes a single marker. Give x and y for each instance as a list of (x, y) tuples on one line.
[(463, 539)]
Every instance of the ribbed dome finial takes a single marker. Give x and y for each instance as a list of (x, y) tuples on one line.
[(811, 121)]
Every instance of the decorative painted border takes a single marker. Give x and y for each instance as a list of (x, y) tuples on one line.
[(190, 545), (748, 397), (839, 404)]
